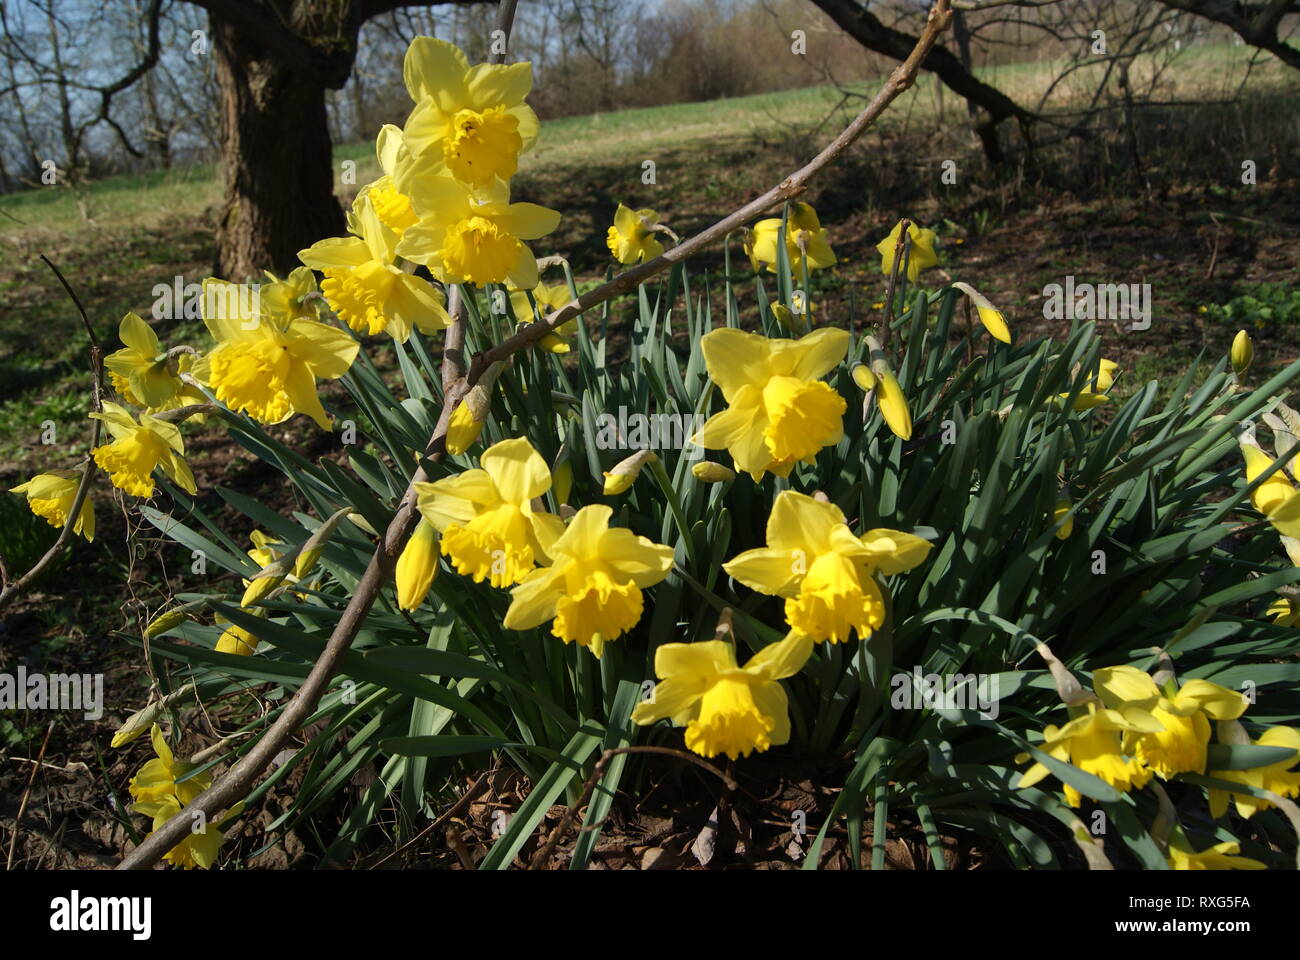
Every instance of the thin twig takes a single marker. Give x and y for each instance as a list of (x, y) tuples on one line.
[(11, 591), (237, 781), (477, 789), (27, 791)]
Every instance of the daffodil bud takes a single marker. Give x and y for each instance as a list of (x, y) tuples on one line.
[(1068, 687), (620, 479), (889, 393), (562, 474), (994, 322), (707, 471), (417, 566), (863, 377), (462, 429), (1231, 731), (1059, 513), (361, 523), (1285, 424), (142, 720), (893, 404), (471, 413), (312, 550), (1242, 353), (271, 577), (164, 622)]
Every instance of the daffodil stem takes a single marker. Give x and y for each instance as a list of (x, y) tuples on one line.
[(666, 485), (10, 591), (904, 226)]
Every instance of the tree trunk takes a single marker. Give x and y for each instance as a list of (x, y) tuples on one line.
[(277, 170)]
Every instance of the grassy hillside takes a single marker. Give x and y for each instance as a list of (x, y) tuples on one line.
[(119, 237)]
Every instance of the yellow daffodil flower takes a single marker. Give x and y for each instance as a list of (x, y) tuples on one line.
[(156, 780), (549, 299), (1275, 498), (592, 589), (1093, 393), (1180, 745), (804, 237), (137, 448), (417, 566), (1060, 512), (364, 286), (197, 849), (51, 495), (392, 207), (1284, 611), (236, 640), (490, 529), (994, 322), (201, 845), (1279, 778), (778, 410), (463, 236), (920, 256), (825, 573), (469, 121), (267, 365), (724, 707), (632, 237), (140, 371), (1092, 743), (1216, 858)]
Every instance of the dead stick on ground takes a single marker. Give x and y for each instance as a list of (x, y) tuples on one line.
[(27, 792), (236, 782)]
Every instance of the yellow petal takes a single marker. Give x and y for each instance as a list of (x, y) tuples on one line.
[(517, 470)]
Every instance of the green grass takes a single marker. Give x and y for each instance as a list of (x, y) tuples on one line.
[(119, 236), (601, 139)]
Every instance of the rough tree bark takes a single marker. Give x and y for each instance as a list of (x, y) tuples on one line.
[(275, 60), (277, 175)]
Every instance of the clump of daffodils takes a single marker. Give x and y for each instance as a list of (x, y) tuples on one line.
[(552, 551), (1132, 728)]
